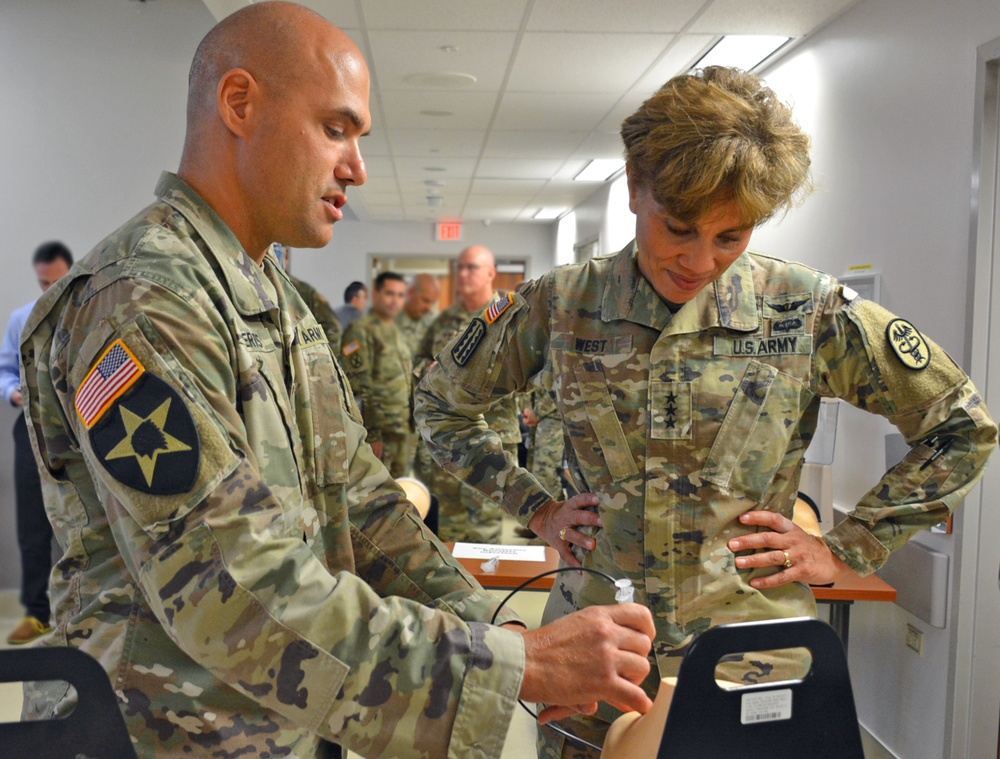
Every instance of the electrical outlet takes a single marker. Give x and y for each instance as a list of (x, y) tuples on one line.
[(915, 639)]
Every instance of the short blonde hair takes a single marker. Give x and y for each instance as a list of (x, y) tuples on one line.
[(715, 136)]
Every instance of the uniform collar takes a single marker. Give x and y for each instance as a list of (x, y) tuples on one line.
[(250, 291), (730, 302)]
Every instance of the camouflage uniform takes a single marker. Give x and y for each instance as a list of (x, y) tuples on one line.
[(321, 309), (414, 330), (378, 364), (680, 423), (464, 513), (233, 554)]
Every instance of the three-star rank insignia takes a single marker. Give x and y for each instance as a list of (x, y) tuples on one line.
[(908, 344), (146, 437)]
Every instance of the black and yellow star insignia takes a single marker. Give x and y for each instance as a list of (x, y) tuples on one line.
[(151, 444)]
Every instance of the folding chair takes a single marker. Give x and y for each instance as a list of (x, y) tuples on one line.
[(813, 717), (95, 729)]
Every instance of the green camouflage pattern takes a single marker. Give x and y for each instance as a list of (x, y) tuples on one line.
[(414, 329), (546, 449), (322, 310), (291, 593), (464, 513), (681, 423), (380, 369)]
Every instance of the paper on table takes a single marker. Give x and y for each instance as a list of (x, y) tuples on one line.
[(488, 551)]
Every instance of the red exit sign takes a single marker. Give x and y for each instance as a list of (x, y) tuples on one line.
[(448, 231)]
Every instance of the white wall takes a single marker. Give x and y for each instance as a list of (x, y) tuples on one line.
[(887, 92)]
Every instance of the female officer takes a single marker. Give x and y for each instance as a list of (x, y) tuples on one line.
[(688, 374)]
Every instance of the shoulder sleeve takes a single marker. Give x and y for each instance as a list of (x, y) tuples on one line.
[(492, 359), (883, 364)]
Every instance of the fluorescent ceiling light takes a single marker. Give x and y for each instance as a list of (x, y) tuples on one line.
[(547, 214), (742, 51), (600, 170)]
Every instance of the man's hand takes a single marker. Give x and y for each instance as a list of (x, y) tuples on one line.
[(557, 521), (803, 557), (597, 654), (378, 448), (17, 399)]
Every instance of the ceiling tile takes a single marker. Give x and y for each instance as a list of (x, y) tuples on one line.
[(401, 54), (443, 14), (502, 168), (603, 16), (454, 143), (550, 62), (553, 111), (507, 188), (533, 144), (471, 110), (792, 17), (423, 168)]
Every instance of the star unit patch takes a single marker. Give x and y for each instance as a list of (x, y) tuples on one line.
[(148, 440), (497, 308), (908, 344), (466, 345), (113, 374)]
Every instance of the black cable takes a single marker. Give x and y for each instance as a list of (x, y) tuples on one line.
[(518, 589)]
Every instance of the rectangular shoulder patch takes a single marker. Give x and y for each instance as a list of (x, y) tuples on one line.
[(770, 346), (114, 373), (498, 307)]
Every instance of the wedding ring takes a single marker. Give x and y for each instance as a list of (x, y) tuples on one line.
[(788, 560), (562, 534)]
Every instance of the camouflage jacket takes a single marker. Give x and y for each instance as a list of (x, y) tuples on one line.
[(682, 423), (414, 331), (502, 417), (378, 364), (233, 554), (321, 309)]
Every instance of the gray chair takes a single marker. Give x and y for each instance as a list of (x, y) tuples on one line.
[(95, 729)]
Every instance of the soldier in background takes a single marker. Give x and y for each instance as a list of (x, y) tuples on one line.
[(465, 514), (377, 361), (355, 302), (419, 310), (235, 556), (689, 374), (322, 310)]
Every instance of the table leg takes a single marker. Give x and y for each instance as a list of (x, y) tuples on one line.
[(840, 620)]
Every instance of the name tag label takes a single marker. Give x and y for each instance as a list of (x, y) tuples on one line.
[(800, 345)]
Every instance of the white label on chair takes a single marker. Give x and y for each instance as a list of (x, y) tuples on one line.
[(769, 706)]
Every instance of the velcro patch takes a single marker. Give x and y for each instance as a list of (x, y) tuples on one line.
[(908, 344), (498, 307), (351, 347), (466, 345), (114, 373), (149, 441)]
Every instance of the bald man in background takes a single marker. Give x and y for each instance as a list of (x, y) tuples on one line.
[(419, 310), (465, 513), (236, 557)]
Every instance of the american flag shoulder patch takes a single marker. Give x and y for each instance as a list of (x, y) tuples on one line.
[(498, 307), (114, 373)]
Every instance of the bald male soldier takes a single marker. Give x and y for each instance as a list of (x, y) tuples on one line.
[(418, 312), (235, 556), (465, 513)]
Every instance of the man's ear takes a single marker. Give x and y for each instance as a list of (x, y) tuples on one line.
[(237, 99)]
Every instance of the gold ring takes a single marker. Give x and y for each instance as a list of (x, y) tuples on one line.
[(788, 560), (562, 533)]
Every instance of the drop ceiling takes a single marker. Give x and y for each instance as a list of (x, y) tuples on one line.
[(542, 88)]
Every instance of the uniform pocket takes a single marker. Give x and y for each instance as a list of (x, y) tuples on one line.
[(603, 418), (754, 435), (327, 411)]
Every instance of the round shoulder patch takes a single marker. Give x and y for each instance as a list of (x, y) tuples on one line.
[(908, 344), (148, 440)]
